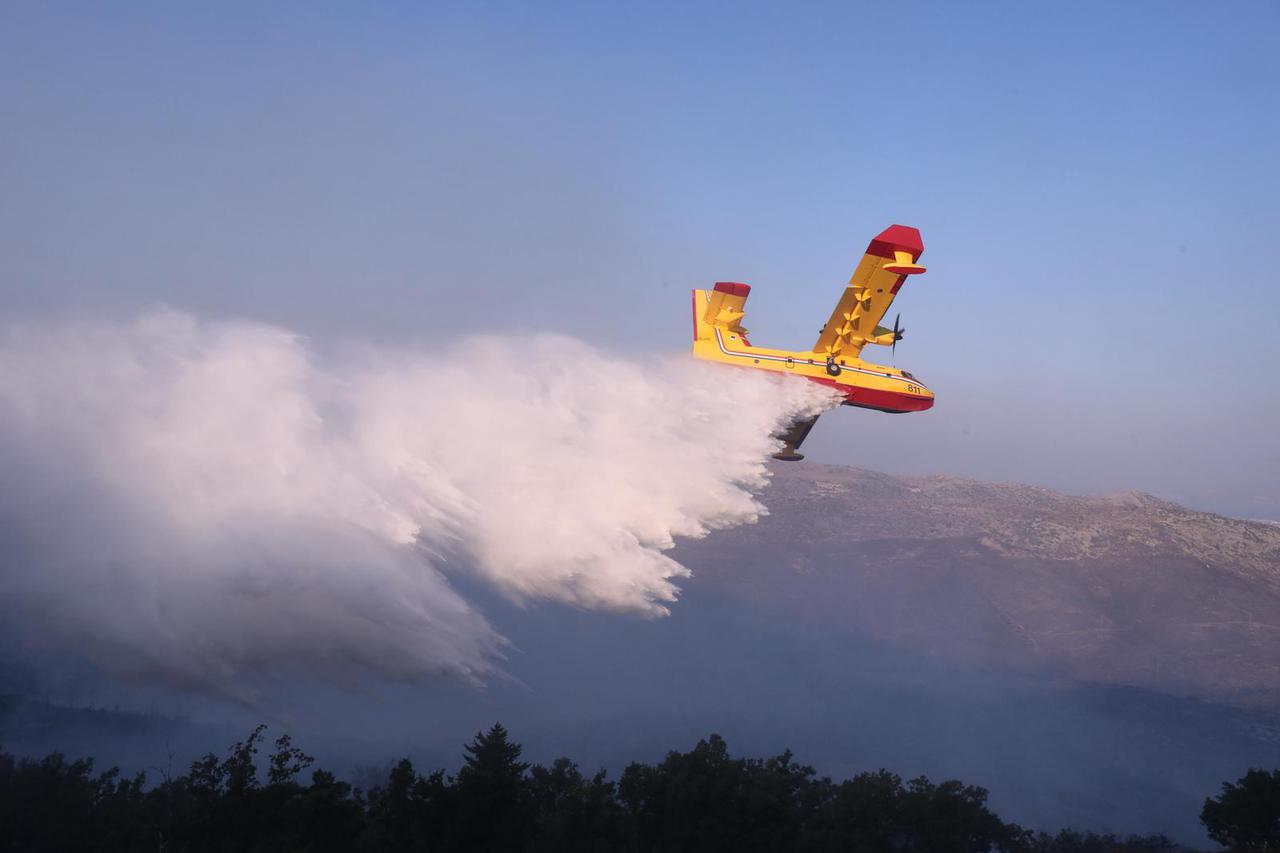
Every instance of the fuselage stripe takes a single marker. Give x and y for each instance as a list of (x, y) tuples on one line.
[(843, 367)]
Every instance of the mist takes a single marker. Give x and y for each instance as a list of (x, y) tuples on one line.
[(209, 505)]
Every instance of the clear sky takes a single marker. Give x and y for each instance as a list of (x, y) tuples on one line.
[(1097, 185)]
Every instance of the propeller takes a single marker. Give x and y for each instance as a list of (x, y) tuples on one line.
[(898, 332)]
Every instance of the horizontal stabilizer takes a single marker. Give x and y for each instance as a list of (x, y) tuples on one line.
[(722, 307)]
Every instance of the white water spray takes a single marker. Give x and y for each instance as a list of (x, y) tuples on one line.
[(204, 503)]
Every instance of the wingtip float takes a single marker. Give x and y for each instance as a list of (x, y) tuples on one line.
[(835, 360)]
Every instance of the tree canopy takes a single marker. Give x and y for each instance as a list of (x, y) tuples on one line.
[(1246, 815), (701, 800)]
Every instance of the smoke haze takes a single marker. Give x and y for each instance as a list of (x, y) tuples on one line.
[(208, 503)]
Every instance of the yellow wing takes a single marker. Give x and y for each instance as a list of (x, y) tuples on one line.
[(889, 259)]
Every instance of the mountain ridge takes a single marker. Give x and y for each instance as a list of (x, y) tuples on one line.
[(1125, 588)]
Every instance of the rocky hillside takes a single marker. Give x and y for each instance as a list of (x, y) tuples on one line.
[(1095, 662), (1120, 589)]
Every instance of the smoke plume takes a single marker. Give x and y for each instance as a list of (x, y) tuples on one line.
[(206, 503)]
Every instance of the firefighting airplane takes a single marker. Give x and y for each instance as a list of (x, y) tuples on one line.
[(835, 359)]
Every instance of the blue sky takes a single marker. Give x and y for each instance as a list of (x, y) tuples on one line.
[(1096, 185)]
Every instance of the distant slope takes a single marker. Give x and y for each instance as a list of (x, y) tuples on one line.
[(1124, 589), (1097, 662)]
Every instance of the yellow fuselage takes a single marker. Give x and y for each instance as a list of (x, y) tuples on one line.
[(870, 386)]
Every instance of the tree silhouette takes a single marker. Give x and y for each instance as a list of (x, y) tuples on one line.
[(572, 813), (1071, 841), (492, 808), (706, 800), (700, 800), (55, 805), (1246, 815), (287, 762), (409, 812), (328, 816)]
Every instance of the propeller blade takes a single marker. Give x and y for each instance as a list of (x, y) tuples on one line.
[(897, 335)]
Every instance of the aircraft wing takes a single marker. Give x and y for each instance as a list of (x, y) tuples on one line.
[(889, 259)]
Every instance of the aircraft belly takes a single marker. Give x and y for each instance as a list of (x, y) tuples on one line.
[(878, 399)]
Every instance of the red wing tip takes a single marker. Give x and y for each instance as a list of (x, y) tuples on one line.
[(733, 288), (902, 238)]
